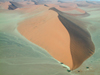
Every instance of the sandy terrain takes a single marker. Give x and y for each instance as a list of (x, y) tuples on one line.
[(33, 39)]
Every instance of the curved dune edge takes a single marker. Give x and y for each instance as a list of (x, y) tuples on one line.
[(81, 45), (47, 31), (83, 15)]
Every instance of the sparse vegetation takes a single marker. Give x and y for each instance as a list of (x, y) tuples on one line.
[(78, 71), (69, 70), (61, 63), (87, 67)]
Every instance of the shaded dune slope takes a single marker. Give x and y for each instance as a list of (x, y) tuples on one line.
[(81, 45)]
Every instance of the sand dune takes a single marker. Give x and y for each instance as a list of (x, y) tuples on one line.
[(90, 4), (68, 5), (40, 33), (77, 12), (14, 5), (47, 31), (62, 8), (68, 8), (80, 15)]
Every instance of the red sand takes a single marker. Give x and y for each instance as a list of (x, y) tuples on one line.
[(49, 33)]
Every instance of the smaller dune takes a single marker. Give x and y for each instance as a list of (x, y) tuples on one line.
[(68, 8), (81, 14), (62, 7), (82, 4), (14, 5), (90, 4)]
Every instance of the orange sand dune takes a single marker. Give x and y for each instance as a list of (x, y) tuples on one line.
[(68, 5), (82, 13), (48, 32), (60, 8)]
